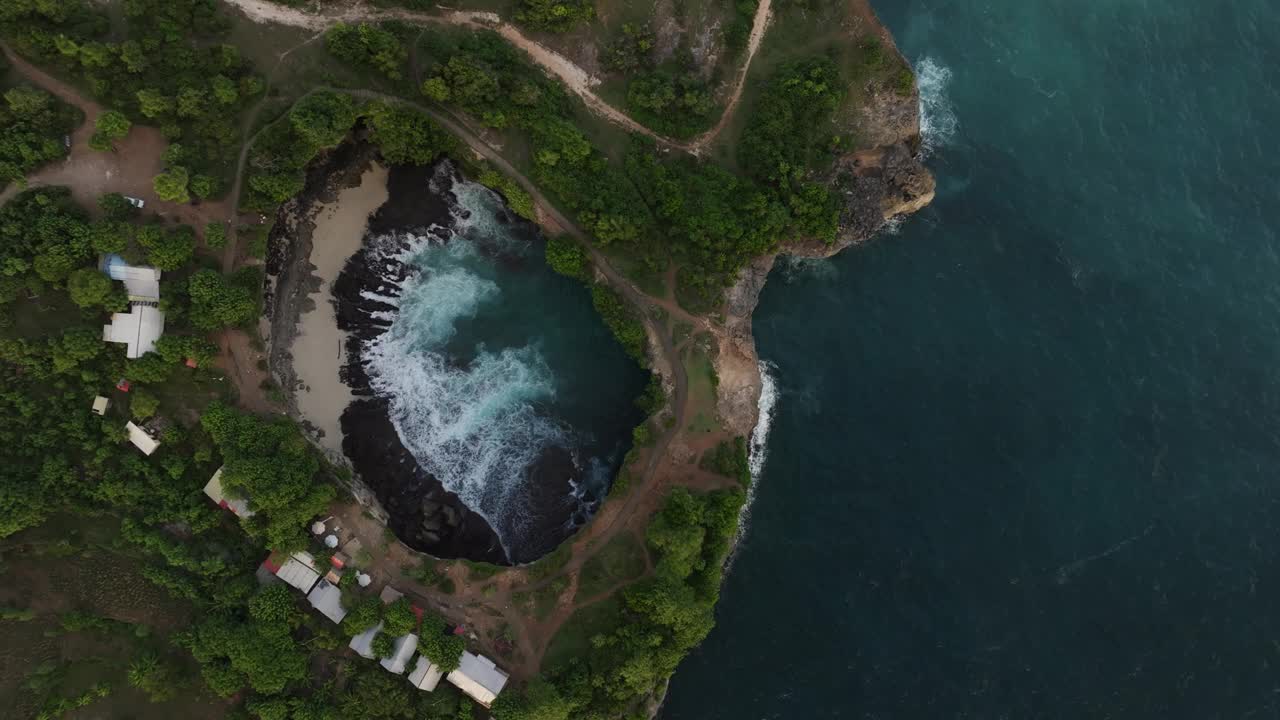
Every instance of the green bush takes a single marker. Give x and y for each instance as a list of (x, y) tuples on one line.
[(566, 257)]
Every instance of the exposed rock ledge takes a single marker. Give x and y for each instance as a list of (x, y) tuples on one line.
[(878, 185)]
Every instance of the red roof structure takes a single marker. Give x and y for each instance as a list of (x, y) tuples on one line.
[(123, 385), (191, 363)]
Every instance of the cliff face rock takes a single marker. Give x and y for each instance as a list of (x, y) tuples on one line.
[(878, 183), (737, 365)]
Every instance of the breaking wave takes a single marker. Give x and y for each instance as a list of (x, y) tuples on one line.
[(938, 121), (471, 417), (758, 448)]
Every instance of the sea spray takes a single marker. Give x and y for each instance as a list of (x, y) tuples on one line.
[(472, 417), (757, 448), (938, 121)]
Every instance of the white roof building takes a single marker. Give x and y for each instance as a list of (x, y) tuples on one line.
[(405, 646), (300, 571), (478, 677), (140, 282), (214, 490), (141, 439), (327, 598), (100, 405), (426, 676), (363, 643), (138, 330)]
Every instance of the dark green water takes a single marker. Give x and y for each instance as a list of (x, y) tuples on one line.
[(1025, 460)]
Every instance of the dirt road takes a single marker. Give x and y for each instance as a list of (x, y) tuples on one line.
[(579, 81)]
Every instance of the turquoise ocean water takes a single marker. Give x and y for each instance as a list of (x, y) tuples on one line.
[(1025, 454)]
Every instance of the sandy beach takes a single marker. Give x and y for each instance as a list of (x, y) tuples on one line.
[(319, 348)]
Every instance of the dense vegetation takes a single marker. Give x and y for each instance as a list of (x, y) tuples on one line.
[(320, 121), (169, 70), (32, 126), (660, 619), (655, 206)]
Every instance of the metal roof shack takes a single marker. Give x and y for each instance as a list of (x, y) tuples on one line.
[(140, 282), (300, 571), (214, 490), (478, 677), (405, 647), (139, 328), (363, 643), (141, 439), (426, 675), (327, 598), (100, 405)]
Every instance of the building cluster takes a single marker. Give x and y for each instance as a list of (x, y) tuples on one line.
[(476, 676), (140, 328)]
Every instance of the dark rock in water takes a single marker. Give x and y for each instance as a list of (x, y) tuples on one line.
[(422, 513)]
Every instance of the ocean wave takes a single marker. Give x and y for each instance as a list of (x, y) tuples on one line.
[(757, 448), (938, 121), (475, 423)]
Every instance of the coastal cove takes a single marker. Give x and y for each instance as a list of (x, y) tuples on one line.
[(481, 403), (1023, 458)]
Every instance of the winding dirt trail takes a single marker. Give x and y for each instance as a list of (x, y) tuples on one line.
[(579, 81)]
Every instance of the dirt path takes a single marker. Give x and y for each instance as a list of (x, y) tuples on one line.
[(91, 174), (579, 81), (758, 25)]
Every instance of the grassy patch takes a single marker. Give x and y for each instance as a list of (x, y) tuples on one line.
[(702, 390), (574, 638), (620, 560), (481, 570), (546, 597), (550, 564)]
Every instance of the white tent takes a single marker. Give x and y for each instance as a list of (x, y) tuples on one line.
[(405, 647), (478, 677), (363, 643), (138, 330), (213, 489), (426, 676), (327, 598), (141, 439), (300, 571)]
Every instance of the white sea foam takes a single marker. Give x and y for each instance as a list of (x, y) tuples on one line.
[(938, 121), (758, 448), (474, 424)]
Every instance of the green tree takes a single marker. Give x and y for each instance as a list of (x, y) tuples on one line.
[(142, 404), (566, 256), (406, 136), (149, 674), (365, 614), (275, 605), (554, 15), (217, 303), (115, 207), (171, 185), (382, 645), (113, 124), (204, 186), (90, 288), (398, 618), (167, 249), (540, 700), (323, 118), (154, 104), (215, 235)]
